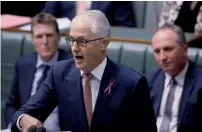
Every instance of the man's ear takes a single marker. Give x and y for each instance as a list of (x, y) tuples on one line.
[(105, 43)]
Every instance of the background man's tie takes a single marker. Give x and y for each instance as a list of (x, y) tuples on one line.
[(168, 107), (82, 7), (87, 94), (44, 75)]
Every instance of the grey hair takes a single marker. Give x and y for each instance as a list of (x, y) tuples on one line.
[(100, 25), (180, 36)]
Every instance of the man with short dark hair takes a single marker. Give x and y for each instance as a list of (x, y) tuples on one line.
[(174, 86), (31, 70)]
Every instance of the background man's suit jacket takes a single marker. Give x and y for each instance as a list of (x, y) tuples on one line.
[(126, 108), (187, 109), (25, 69), (119, 13), (199, 111)]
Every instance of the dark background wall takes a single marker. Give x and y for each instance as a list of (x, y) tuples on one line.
[(22, 8)]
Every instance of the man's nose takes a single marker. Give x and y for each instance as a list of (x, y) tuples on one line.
[(75, 46), (163, 56), (44, 39)]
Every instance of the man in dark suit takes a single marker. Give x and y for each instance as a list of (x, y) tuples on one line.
[(174, 86), (92, 92), (119, 13), (199, 111), (31, 69)]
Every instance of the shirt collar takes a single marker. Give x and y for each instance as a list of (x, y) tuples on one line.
[(99, 70), (179, 78), (51, 62)]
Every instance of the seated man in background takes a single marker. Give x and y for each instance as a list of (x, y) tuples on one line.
[(92, 92), (119, 13), (174, 86), (30, 70)]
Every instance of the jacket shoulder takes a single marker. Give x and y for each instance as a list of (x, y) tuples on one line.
[(63, 66), (26, 59), (151, 76), (129, 75)]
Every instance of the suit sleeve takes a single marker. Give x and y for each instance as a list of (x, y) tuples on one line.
[(13, 101), (142, 109), (122, 14), (41, 104)]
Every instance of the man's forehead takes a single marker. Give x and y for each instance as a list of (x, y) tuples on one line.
[(164, 36), (43, 28), (80, 30), (165, 33), (82, 20)]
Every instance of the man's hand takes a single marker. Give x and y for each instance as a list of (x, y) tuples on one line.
[(26, 121)]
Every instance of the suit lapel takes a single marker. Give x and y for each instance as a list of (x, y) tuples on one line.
[(75, 93), (158, 87), (73, 79), (104, 95), (187, 89), (31, 69)]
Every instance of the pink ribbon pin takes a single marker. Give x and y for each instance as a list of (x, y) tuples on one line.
[(109, 86)]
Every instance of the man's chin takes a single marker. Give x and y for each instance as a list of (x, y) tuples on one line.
[(79, 66), (47, 56), (168, 69)]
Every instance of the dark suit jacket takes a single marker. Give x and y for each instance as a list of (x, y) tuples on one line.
[(119, 13), (187, 108), (199, 111), (25, 69), (127, 108)]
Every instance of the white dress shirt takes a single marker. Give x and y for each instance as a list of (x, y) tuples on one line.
[(177, 97), (39, 71), (95, 81), (51, 123)]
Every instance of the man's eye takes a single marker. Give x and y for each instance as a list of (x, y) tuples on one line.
[(81, 41), (156, 51), (38, 36), (169, 49)]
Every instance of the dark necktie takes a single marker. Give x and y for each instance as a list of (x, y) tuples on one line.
[(87, 94), (167, 115), (43, 77)]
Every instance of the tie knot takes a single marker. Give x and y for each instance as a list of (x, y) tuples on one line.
[(45, 68), (173, 81), (87, 76)]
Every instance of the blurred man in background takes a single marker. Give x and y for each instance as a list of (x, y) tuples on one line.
[(174, 86), (31, 70), (119, 13)]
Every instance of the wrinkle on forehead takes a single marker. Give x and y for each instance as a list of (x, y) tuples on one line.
[(81, 26), (164, 34)]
